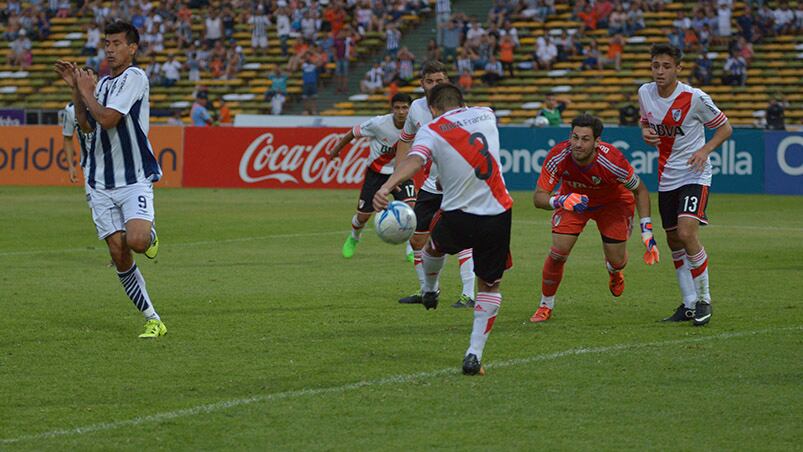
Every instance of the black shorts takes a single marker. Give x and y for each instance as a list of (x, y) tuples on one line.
[(686, 201), (488, 236), (426, 206), (373, 181)]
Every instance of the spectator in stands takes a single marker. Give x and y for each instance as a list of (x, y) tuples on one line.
[(546, 53), (433, 51), (635, 19), (13, 27), (602, 10), (300, 49), (784, 19), (364, 18), (745, 23), (744, 49), (228, 22), (20, 54), (154, 40), (484, 51), (723, 30), (452, 33), (553, 108), (775, 115), (42, 25), (704, 38), (342, 55), (390, 70), (493, 72), (589, 18), (614, 55), (735, 70), (64, 9), (565, 45), (464, 61), (92, 40), (213, 28), (509, 30), (259, 23), (465, 81), (224, 117), (474, 33), (702, 71), (193, 64), (766, 20), (799, 17), (681, 21), (592, 56), (691, 41), (154, 22), (184, 33), (176, 119), (283, 29), (506, 54), (154, 71), (309, 90), (617, 22), (309, 25), (406, 66), (171, 69), (199, 113), (629, 114), (373, 80), (677, 38)]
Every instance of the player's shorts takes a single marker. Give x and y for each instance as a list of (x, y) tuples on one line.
[(686, 201), (426, 206), (112, 209), (614, 221), (487, 235), (373, 181)]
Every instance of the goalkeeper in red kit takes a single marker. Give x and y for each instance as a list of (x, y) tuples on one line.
[(596, 183)]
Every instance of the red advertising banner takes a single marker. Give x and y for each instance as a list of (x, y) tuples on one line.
[(271, 158), (35, 155)]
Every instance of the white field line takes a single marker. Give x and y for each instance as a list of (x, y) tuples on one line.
[(395, 379)]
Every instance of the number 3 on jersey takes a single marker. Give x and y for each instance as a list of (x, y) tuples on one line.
[(489, 163)]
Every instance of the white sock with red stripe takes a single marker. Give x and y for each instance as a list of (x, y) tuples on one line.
[(466, 260), (485, 310), (356, 227), (432, 266), (419, 268), (685, 280), (699, 272)]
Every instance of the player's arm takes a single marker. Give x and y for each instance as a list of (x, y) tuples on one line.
[(634, 184), (108, 118), (70, 150), (344, 140), (408, 168), (544, 199), (649, 135), (698, 159)]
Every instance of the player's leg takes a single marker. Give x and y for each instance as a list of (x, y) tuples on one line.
[(425, 207), (668, 204), (615, 224), (137, 210), (566, 227), (365, 208), (465, 259), (615, 261), (441, 242), (492, 250), (406, 194), (691, 214)]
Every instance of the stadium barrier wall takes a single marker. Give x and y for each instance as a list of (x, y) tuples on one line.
[(783, 160), (35, 155)]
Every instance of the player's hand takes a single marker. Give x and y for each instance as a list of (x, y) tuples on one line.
[(381, 198), (651, 256), (572, 201), (72, 172), (650, 137), (85, 81), (698, 160), (66, 71)]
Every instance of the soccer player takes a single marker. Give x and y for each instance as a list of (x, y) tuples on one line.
[(384, 132), (68, 131), (121, 166), (596, 183), (673, 118), (433, 73), (476, 207)]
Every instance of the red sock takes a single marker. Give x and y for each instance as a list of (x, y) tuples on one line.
[(553, 272)]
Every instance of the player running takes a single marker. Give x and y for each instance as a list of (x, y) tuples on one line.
[(476, 208), (429, 198), (384, 133), (673, 118), (120, 165), (596, 183)]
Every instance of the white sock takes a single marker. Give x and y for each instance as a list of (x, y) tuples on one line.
[(432, 270), (699, 273), (485, 310), (685, 281), (419, 268), (134, 285), (466, 260), (408, 249), (356, 227), (549, 302)]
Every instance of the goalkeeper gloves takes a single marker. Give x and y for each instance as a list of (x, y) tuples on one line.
[(651, 256), (572, 201)]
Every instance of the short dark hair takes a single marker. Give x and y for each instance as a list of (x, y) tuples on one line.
[(445, 96), (401, 97), (131, 33), (592, 122), (666, 49), (433, 67)]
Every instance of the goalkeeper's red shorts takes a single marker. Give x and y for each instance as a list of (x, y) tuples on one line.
[(614, 220)]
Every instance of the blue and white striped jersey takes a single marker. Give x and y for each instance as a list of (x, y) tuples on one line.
[(123, 155)]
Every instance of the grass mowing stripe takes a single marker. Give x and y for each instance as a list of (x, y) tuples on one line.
[(213, 407)]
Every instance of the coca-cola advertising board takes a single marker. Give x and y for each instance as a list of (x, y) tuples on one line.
[(271, 158)]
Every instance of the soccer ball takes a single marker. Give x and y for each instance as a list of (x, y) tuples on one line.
[(541, 121), (395, 224)]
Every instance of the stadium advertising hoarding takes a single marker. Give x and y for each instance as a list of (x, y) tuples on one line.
[(783, 161), (271, 158), (12, 117), (35, 155), (738, 164)]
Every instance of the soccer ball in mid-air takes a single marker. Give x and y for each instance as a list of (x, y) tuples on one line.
[(540, 121), (395, 224)]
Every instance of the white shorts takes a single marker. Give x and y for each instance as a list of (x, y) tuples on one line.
[(261, 42), (112, 209)]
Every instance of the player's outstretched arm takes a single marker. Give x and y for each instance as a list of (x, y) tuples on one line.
[(344, 140), (404, 171), (651, 255), (698, 159)]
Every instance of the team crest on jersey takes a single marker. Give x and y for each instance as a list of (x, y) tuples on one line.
[(596, 180), (676, 114), (565, 173)]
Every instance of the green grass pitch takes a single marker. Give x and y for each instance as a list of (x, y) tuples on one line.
[(277, 342)]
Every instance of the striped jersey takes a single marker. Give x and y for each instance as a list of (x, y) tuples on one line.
[(260, 26), (418, 116), (123, 155), (69, 128), (384, 136), (609, 178), (464, 144), (679, 121)]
